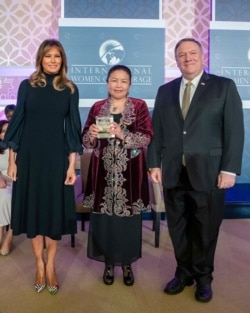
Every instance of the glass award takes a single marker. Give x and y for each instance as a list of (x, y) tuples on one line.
[(103, 123)]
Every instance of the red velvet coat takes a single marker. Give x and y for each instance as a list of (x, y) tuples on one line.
[(117, 180)]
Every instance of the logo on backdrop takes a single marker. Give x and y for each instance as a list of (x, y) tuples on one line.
[(88, 65), (111, 52)]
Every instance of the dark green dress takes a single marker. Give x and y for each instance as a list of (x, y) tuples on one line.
[(45, 128)]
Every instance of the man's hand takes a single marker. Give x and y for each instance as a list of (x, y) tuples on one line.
[(226, 180), (155, 174)]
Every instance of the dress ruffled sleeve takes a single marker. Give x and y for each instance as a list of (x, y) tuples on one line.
[(73, 125), (15, 127)]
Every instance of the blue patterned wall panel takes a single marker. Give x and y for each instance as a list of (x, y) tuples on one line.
[(245, 173), (133, 9), (230, 57), (232, 10)]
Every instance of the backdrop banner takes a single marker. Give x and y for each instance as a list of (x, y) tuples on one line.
[(93, 50), (230, 57)]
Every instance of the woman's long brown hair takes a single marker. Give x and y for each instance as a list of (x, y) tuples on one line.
[(38, 77)]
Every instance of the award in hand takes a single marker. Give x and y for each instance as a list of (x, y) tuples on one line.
[(103, 123)]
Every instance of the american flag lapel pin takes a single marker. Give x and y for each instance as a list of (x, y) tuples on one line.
[(203, 84)]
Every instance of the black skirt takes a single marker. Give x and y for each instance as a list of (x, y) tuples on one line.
[(115, 240)]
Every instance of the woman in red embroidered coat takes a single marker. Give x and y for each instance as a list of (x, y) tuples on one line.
[(117, 187)]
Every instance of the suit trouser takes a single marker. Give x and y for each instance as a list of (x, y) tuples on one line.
[(194, 218)]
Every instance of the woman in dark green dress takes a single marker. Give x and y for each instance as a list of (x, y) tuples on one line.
[(44, 136)]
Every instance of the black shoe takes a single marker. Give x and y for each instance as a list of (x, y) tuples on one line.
[(176, 285), (128, 276), (203, 293), (108, 274)]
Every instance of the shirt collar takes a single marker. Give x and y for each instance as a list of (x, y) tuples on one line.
[(194, 81)]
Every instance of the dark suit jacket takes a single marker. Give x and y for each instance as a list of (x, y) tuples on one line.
[(211, 136)]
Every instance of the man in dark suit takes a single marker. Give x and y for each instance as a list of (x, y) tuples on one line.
[(196, 155)]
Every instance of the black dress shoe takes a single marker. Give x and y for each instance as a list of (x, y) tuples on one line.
[(203, 293), (176, 285), (108, 274), (128, 276)]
